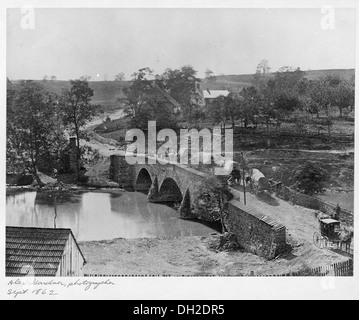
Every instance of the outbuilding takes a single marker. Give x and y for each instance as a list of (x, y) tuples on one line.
[(43, 252)]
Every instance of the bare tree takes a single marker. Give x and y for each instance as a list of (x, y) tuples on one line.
[(120, 77), (208, 73), (263, 66)]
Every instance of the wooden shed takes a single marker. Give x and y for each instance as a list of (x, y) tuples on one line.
[(42, 252)]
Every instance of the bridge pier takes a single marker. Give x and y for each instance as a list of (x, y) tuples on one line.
[(153, 194), (185, 207)]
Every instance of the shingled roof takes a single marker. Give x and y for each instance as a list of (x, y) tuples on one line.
[(35, 250)]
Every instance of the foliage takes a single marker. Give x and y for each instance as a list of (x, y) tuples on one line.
[(332, 91), (181, 85), (260, 79), (34, 129), (287, 79), (211, 199), (249, 106), (285, 104), (208, 73), (76, 107), (120, 77), (215, 111), (310, 178), (144, 102)]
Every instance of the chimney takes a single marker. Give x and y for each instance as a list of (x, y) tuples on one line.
[(197, 86)]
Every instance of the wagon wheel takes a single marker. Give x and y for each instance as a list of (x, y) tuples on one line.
[(327, 242), (318, 240)]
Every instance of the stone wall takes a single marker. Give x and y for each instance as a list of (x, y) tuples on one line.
[(15, 179), (256, 232), (121, 172)]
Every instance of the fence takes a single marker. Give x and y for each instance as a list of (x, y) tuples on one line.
[(292, 134), (340, 269)]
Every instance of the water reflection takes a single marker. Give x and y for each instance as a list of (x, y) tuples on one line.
[(98, 215)]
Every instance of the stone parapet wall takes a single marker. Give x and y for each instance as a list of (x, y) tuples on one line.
[(255, 232)]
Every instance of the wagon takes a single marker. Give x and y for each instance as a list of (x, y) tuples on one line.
[(259, 183), (329, 235)]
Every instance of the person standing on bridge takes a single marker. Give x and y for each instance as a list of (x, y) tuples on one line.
[(236, 176)]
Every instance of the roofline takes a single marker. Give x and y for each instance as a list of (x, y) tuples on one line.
[(78, 247), (169, 98), (50, 229)]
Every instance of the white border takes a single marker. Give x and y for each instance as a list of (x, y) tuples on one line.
[(183, 288)]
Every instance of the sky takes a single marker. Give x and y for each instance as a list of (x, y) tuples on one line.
[(70, 43)]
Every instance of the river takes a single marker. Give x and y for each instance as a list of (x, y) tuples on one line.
[(94, 216)]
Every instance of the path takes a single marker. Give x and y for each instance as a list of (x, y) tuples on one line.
[(300, 222)]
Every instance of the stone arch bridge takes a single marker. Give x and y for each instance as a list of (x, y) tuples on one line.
[(169, 182), (255, 232)]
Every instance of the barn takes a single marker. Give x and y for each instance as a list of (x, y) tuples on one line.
[(42, 252)]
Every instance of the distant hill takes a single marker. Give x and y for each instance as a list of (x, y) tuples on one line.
[(235, 83), (107, 93)]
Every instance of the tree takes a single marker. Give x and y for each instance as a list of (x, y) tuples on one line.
[(218, 112), (208, 73), (85, 78), (310, 178), (344, 94), (181, 85), (76, 107), (120, 77), (323, 93), (249, 105), (143, 103), (232, 106), (34, 131), (212, 199), (53, 78), (288, 79), (260, 77), (285, 103), (224, 108), (263, 67)]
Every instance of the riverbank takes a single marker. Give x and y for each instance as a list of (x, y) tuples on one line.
[(193, 256)]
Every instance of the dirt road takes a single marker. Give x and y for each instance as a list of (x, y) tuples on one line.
[(300, 222)]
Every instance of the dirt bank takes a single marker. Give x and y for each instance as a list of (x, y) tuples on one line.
[(192, 256)]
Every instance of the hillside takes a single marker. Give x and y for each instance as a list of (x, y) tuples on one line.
[(107, 93), (237, 82)]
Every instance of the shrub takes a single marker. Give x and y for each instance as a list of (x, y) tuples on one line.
[(310, 178)]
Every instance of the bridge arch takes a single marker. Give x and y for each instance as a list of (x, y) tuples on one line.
[(170, 191), (143, 181)]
